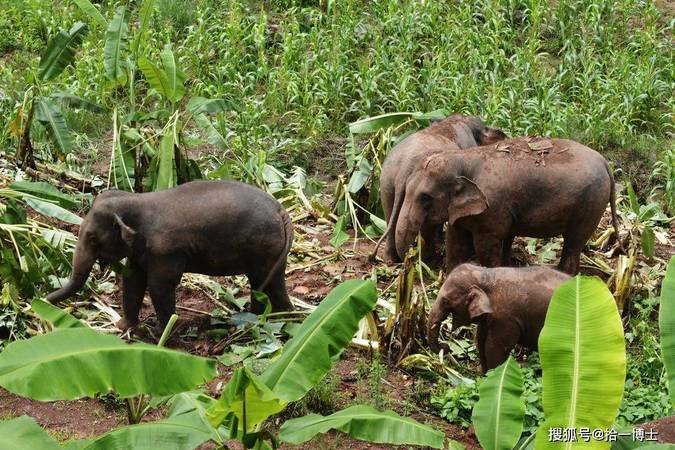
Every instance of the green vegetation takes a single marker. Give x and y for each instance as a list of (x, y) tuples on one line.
[(304, 98)]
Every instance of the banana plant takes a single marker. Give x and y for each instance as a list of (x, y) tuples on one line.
[(248, 400), (41, 101)]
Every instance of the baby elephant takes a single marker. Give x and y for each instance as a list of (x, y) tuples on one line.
[(208, 227), (509, 304)]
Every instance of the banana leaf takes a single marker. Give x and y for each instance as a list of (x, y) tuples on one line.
[(308, 356), (56, 316), (365, 423), (73, 101), (115, 46), (46, 191), (175, 77), (68, 364), (61, 51), (49, 115), (583, 360), (667, 326), (245, 403), (89, 9), (166, 167), (498, 416), (53, 210), (24, 433)]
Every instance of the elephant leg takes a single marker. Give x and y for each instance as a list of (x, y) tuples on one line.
[(458, 247), (498, 341), (488, 249), (570, 257), (133, 290), (507, 245), (275, 290), (163, 278), (390, 253), (431, 242)]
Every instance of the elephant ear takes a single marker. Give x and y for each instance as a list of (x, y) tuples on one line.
[(489, 135), (467, 200), (479, 303), (128, 234)]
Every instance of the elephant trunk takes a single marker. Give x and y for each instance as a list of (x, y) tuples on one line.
[(407, 227), (83, 261), (439, 312)]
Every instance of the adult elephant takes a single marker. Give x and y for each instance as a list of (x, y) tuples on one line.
[(533, 187), (456, 132), (208, 227)]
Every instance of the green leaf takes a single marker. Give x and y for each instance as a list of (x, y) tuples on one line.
[(73, 101), (246, 398), (53, 210), (49, 115), (67, 364), (91, 11), (46, 191), (123, 162), (308, 356), (166, 169), (667, 326), (24, 433), (178, 433), (364, 423), (340, 236), (647, 239), (583, 360), (201, 105), (633, 200), (213, 135), (196, 404), (374, 124), (115, 46), (360, 176), (175, 77), (498, 416), (147, 9), (54, 315), (157, 78), (61, 51)]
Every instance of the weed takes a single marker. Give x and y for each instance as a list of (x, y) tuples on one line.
[(370, 377)]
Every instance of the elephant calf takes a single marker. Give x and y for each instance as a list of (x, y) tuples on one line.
[(509, 304), (208, 227)]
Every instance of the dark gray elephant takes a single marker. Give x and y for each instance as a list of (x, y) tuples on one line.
[(509, 304), (208, 227), (456, 132), (519, 187)]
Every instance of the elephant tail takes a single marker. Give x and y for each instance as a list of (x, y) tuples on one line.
[(398, 201), (281, 260), (612, 206)]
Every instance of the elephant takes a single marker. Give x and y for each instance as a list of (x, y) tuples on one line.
[(207, 227), (456, 132), (525, 186), (508, 303)]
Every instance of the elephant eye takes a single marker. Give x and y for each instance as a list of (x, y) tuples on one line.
[(426, 199)]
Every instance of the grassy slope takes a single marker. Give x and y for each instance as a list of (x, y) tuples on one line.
[(569, 69)]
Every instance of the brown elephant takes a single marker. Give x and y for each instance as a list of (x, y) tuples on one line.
[(208, 227), (456, 132), (519, 187), (509, 304)]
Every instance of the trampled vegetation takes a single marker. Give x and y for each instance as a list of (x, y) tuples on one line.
[(304, 99)]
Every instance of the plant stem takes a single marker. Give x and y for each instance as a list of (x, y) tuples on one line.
[(167, 330)]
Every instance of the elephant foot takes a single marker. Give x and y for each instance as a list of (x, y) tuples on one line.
[(124, 324)]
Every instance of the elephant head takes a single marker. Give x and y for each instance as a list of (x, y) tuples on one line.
[(104, 236), (462, 296), (436, 192)]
